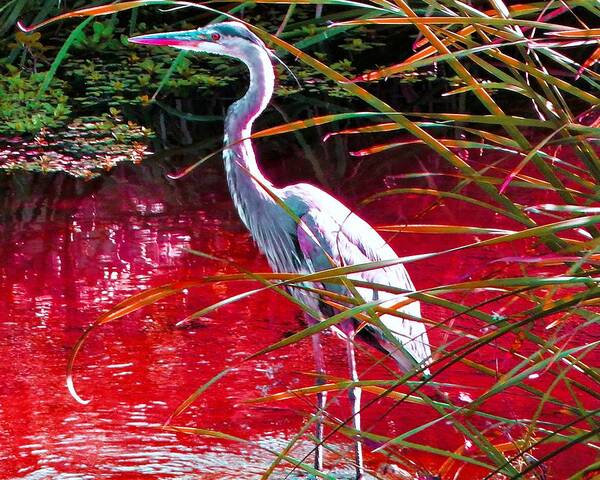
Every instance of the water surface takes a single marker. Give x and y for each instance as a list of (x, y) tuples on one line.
[(71, 249)]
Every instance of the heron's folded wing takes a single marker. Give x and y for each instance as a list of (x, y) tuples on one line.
[(335, 237)]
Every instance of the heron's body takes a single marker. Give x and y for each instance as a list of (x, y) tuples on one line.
[(328, 232)]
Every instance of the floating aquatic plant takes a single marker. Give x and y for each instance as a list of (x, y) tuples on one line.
[(22, 110), (86, 147)]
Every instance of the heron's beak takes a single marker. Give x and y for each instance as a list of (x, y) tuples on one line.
[(182, 39)]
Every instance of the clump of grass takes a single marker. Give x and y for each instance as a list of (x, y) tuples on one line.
[(533, 319)]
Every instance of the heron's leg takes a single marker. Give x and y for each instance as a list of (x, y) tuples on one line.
[(354, 394), (321, 398)]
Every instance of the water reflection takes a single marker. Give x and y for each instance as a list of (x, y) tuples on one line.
[(71, 249)]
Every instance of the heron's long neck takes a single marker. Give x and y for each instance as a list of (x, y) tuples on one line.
[(243, 174)]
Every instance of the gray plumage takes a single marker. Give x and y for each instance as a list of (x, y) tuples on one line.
[(328, 231)]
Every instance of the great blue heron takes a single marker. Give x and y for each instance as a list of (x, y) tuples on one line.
[(327, 232)]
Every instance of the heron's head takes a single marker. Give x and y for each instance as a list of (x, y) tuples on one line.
[(232, 39)]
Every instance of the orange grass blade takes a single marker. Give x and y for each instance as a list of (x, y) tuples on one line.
[(593, 33), (443, 229), (486, 21), (590, 62), (100, 10)]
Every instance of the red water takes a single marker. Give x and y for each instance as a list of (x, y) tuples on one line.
[(70, 250)]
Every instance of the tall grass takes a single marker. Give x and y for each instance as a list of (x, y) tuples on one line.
[(541, 54), (37, 10)]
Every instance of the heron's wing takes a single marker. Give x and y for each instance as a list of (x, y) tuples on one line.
[(331, 232)]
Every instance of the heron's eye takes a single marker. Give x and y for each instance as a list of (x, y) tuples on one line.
[(215, 36)]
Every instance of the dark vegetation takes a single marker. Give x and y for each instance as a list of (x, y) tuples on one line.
[(104, 82)]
